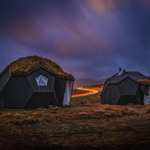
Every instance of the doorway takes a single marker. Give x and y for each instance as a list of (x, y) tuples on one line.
[(67, 94)]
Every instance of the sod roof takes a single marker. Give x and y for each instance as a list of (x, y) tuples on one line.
[(26, 64), (145, 81)]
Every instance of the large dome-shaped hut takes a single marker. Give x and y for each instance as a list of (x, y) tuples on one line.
[(34, 82)]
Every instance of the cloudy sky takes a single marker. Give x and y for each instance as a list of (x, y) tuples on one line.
[(88, 38)]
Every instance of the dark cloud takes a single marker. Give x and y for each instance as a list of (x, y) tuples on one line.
[(88, 38)]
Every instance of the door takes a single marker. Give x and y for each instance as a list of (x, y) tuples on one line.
[(147, 96), (67, 94)]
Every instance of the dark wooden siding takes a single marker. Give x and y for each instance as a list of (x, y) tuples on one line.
[(140, 95), (4, 78), (135, 99), (60, 89), (16, 92), (1, 101), (128, 87), (127, 91), (23, 91), (123, 89), (127, 99), (34, 85), (143, 88), (111, 94), (41, 100)]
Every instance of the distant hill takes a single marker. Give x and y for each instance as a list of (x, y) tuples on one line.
[(87, 82)]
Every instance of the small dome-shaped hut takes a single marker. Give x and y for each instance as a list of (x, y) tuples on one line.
[(34, 82), (123, 88)]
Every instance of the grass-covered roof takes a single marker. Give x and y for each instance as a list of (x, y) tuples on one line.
[(27, 64), (145, 81)]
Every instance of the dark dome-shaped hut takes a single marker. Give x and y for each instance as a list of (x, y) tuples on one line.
[(34, 82), (123, 88)]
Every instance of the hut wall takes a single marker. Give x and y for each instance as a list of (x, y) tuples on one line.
[(24, 92), (124, 89), (140, 95), (41, 100), (143, 88), (60, 89), (1, 101), (111, 94), (127, 99), (128, 87), (16, 92), (36, 88), (4, 78)]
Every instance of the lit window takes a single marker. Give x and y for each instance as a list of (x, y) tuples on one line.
[(41, 80)]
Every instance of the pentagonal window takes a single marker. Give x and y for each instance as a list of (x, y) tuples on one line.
[(41, 80)]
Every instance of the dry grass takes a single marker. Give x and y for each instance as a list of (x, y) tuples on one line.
[(26, 64), (91, 127), (86, 125), (84, 100), (77, 91)]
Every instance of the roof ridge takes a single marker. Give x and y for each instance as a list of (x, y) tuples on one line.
[(134, 75)]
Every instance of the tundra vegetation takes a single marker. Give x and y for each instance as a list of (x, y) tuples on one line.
[(26, 64), (84, 125)]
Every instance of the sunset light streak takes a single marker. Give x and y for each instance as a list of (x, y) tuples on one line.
[(89, 92)]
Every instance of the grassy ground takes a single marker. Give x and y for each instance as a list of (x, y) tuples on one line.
[(93, 126), (76, 91), (85, 100)]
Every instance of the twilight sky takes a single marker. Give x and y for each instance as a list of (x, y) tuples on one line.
[(88, 38)]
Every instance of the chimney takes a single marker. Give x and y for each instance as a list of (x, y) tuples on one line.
[(120, 69)]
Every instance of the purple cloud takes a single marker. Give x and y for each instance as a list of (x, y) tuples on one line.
[(88, 38)]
